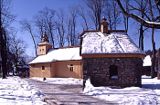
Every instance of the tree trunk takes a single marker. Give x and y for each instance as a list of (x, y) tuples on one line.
[(141, 38), (3, 52), (153, 74)]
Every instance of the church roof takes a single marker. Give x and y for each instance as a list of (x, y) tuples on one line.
[(118, 42), (62, 54)]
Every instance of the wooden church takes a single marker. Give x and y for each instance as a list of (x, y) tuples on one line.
[(62, 62)]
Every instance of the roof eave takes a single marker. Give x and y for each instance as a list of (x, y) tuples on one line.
[(114, 55)]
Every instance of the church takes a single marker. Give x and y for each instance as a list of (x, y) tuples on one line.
[(52, 62)]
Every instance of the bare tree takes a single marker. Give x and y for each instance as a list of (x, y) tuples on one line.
[(83, 15), (141, 8), (125, 18), (17, 50), (112, 14), (61, 27), (72, 36), (149, 19), (28, 27), (45, 23), (145, 23), (152, 18), (96, 8)]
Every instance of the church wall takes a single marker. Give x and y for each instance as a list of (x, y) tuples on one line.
[(65, 69), (42, 70), (57, 69)]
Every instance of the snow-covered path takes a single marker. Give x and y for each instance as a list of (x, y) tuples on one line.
[(149, 94), (58, 92), (16, 91)]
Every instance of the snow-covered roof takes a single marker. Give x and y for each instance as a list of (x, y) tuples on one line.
[(102, 43), (62, 54), (147, 61)]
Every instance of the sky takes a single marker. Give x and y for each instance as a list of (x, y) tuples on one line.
[(27, 9)]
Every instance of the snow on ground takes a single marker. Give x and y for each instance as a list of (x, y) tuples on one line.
[(16, 91), (149, 94), (69, 81)]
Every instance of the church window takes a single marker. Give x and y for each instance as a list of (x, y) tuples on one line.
[(71, 67), (43, 67)]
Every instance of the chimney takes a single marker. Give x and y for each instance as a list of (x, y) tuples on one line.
[(104, 25)]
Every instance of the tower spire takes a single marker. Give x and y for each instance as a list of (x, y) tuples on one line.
[(43, 46), (44, 38)]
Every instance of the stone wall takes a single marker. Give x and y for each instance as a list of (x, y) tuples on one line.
[(97, 69)]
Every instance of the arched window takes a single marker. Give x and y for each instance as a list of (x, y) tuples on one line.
[(113, 72)]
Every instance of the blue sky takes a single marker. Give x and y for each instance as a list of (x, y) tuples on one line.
[(27, 9)]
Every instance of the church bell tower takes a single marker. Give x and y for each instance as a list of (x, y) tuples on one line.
[(44, 45)]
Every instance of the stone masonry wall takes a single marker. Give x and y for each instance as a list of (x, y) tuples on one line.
[(97, 69)]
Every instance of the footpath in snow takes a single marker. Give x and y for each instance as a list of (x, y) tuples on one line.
[(16, 91), (149, 94)]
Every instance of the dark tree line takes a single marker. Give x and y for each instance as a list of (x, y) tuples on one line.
[(11, 48), (3, 36)]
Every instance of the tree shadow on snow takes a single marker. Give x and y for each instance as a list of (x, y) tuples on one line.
[(151, 86)]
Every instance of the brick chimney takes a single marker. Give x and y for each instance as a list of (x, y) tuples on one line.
[(104, 25)]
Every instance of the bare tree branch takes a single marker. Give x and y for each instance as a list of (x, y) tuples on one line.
[(139, 19), (27, 27)]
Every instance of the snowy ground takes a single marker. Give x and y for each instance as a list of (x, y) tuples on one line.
[(149, 94), (16, 91), (69, 81)]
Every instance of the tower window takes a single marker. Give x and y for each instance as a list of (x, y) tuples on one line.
[(113, 72)]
